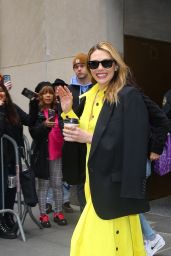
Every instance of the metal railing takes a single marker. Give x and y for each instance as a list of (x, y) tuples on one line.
[(17, 214)]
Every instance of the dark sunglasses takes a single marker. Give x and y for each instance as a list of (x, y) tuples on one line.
[(93, 64)]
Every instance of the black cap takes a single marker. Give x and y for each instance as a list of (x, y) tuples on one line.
[(41, 85), (58, 82)]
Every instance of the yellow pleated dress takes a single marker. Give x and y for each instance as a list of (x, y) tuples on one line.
[(94, 236)]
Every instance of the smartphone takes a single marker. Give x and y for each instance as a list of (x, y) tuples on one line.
[(7, 82), (28, 93), (51, 115), (7, 78)]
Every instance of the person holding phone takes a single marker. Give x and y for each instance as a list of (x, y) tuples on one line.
[(9, 121), (66, 187), (47, 153), (29, 94), (114, 124), (12, 119)]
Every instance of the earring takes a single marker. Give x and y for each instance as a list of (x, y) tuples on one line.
[(116, 68)]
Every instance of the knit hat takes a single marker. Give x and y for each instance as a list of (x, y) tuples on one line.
[(80, 58), (59, 81), (41, 85)]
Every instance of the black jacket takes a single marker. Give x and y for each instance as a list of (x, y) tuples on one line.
[(15, 131), (40, 154), (167, 106), (75, 89), (159, 125), (117, 160), (117, 127), (78, 150)]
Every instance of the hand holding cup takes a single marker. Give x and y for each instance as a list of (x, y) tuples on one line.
[(73, 133)]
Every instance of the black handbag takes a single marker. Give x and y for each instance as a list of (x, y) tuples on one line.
[(28, 185)]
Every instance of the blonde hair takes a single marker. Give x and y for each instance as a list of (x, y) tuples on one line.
[(44, 90), (120, 76)]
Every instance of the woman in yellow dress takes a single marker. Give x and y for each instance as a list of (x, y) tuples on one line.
[(114, 125)]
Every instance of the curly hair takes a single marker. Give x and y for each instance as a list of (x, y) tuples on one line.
[(44, 90)]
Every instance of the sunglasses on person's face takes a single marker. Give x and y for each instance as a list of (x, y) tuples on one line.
[(93, 64)]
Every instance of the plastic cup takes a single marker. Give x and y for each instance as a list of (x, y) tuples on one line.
[(71, 122)]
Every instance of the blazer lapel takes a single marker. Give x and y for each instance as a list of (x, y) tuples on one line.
[(101, 125)]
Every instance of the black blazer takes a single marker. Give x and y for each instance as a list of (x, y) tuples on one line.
[(126, 175), (117, 160)]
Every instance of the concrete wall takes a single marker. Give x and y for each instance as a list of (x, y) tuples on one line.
[(148, 19), (38, 38)]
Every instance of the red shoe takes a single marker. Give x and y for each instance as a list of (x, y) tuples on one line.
[(44, 220), (59, 219)]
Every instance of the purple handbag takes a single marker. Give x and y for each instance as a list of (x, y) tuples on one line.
[(162, 166)]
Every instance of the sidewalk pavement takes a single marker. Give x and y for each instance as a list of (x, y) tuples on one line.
[(55, 241), (160, 219)]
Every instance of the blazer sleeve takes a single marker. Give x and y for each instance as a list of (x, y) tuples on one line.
[(135, 146), (167, 106), (159, 125), (167, 102), (28, 119), (39, 131)]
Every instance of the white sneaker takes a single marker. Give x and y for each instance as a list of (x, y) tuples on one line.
[(155, 245), (148, 248)]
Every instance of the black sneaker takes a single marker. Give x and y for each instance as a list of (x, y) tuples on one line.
[(67, 207), (59, 219), (49, 208), (44, 220), (6, 233)]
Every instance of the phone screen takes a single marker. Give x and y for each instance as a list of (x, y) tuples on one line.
[(51, 114), (7, 78), (28, 93)]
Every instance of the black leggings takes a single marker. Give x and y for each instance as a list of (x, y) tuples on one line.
[(9, 193)]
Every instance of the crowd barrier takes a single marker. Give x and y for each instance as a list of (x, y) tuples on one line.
[(18, 213), (22, 208)]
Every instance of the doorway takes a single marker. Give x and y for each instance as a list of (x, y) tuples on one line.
[(150, 62)]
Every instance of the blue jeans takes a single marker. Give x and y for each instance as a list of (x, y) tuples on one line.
[(81, 196), (50, 196), (148, 168), (66, 193), (148, 232)]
